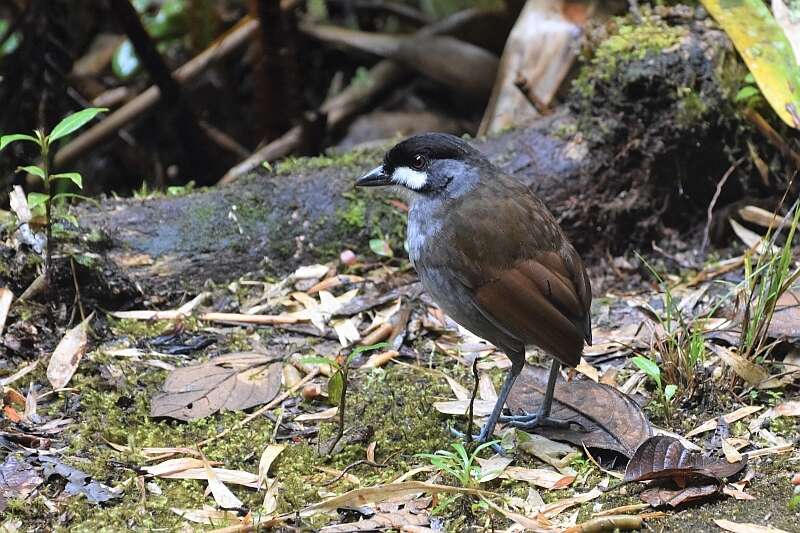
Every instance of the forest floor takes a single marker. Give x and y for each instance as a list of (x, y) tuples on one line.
[(107, 433)]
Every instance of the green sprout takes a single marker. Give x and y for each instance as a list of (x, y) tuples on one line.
[(45, 142)]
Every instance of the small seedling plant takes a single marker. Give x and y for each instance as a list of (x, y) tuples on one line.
[(652, 370), (42, 170), (337, 383), (460, 464)]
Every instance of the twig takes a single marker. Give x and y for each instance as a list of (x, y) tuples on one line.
[(342, 403), (255, 414), (472, 399), (144, 102), (77, 289), (353, 465), (714, 201), (522, 83)]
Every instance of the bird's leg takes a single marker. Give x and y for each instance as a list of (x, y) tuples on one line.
[(488, 428), (542, 418)]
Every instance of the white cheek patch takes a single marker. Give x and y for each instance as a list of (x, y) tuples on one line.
[(413, 179)]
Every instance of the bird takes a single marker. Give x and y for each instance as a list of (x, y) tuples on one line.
[(493, 257)]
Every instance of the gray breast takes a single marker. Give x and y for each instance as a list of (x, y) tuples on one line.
[(425, 235)]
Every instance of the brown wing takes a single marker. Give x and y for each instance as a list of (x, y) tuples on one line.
[(529, 281), (536, 301)]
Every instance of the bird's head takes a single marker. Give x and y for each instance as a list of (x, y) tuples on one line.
[(424, 164)]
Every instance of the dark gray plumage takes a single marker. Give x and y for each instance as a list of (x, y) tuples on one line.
[(491, 255)]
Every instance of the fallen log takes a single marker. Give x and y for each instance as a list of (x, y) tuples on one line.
[(648, 130)]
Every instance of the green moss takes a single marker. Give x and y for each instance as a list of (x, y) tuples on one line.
[(691, 107), (630, 41), (354, 159)]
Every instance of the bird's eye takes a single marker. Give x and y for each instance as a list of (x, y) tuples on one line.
[(419, 162)]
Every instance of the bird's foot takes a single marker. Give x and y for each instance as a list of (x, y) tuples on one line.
[(531, 421)]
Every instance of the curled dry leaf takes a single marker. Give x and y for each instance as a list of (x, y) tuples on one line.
[(662, 457), (68, 354), (612, 420), (233, 382), (268, 456)]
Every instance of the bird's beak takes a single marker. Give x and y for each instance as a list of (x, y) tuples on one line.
[(374, 178)]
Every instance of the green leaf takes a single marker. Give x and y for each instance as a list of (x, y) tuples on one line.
[(380, 247), (649, 367), (74, 177), (32, 169), (361, 349), (74, 122), (745, 93), (125, 63), (35, 199), (336, 387), (669, 391), (316, 360), (5, 140), (766, 52)]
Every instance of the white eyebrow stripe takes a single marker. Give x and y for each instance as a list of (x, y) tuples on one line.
[(413, 179)]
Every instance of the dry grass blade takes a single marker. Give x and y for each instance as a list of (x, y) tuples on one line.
[(8, 380), (222, 494), (268, 456), (68, 354)]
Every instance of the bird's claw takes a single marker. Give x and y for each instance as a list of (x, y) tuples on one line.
[(531, 421)]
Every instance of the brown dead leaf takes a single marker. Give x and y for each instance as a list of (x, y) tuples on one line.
[(658, 496), (68, 354), (737, 527), (785, 323), (613, 421), (232, 382), (749, 371), (662, 457)]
